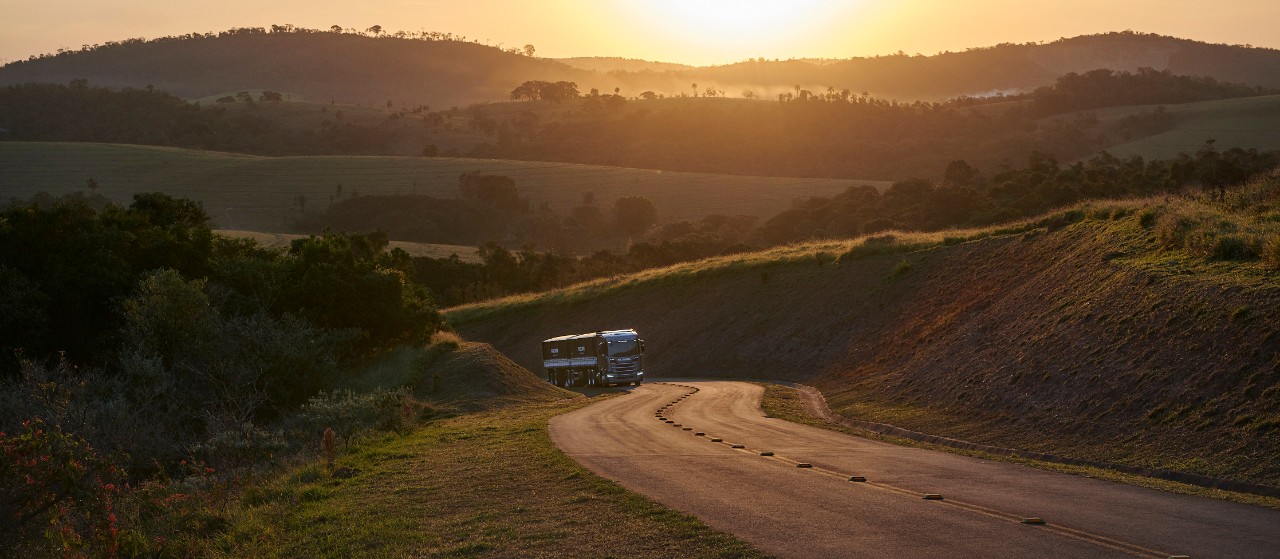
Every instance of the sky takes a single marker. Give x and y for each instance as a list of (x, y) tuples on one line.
[(699, 32)]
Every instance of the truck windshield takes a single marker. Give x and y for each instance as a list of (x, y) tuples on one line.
[(623, 348)]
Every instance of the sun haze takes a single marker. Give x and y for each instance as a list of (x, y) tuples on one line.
[(696, 32)]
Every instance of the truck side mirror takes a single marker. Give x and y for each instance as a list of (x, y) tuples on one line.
[(641, 345)]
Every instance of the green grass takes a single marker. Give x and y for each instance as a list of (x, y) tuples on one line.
[(783, 402), (489, 484), (1249, 122), (259, 193)]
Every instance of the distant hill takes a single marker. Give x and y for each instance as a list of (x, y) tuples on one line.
[(619, 64), (1005, 68), (318, 66), (359, 69)]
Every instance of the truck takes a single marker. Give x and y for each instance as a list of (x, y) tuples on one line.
[(601, 358)]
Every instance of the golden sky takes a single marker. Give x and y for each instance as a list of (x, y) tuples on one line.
[(688, 31)]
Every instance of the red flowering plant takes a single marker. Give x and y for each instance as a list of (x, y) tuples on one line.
[(57, 495), (177, 513)]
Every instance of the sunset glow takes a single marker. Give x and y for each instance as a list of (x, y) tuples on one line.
[(697, 32)]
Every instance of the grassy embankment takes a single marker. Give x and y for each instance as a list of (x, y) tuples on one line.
[(783, 402), (1137, 332), (484, 479), (255, 193)]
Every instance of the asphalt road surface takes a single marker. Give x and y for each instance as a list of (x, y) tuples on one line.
[(793, 511)]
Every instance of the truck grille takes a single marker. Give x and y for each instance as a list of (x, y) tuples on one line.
[(626, 366)]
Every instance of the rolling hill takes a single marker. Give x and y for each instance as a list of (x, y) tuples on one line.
[(358, 69), (342, 67), (1247, 122), (1127, 332), (261, 193)]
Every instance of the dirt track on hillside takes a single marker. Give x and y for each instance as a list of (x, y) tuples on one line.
[(818, 512)]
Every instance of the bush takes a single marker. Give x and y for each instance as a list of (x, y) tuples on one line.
[(1171, 229), (57, 495), (350, 413), (1271, 252)]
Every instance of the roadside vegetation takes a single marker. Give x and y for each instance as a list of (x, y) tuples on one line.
[(483, 484), (150, 366)]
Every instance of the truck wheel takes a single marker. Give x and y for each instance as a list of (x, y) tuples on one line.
[(636, 383)]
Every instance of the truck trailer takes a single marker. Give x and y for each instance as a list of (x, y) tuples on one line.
[(596, 359)]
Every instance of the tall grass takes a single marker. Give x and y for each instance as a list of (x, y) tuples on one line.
[(1239, 225)]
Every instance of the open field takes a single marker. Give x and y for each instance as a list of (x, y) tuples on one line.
[(279, 240), (1251, 122), (261, 193)]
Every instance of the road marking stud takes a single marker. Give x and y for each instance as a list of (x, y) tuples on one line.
[(932, 497), (676, 425), (717, 440), (700, 434), (857, 478), (669, 421), (767, 453), (1033, 520), (687, 429), (804, 465), (738, 446)]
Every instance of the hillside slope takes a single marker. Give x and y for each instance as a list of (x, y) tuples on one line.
[(1004, 68), (353, 68), (260, 193), (1095, 333), (321, 67), (473, 376)]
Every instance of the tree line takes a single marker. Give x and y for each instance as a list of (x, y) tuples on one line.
[(831, 133), (841, 133), (527, 251)]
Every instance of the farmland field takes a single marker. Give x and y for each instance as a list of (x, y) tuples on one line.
[(255, 193), (1249, 122), (277, 240)]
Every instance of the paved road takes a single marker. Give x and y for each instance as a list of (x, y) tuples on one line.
[(817, 512)]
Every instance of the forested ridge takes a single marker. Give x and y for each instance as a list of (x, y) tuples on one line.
[(832, 133)]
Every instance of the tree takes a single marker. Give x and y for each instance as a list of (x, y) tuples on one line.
[(529, 50), (493, 191), (633, 215), (376, 30), (959, 173)]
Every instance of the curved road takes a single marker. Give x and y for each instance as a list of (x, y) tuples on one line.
[(818, 512)]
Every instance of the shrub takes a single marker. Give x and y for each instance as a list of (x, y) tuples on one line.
[(1171, 229), (1271, 252), (244, 447), (1147, 219), (350, 413), (57, 494)]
